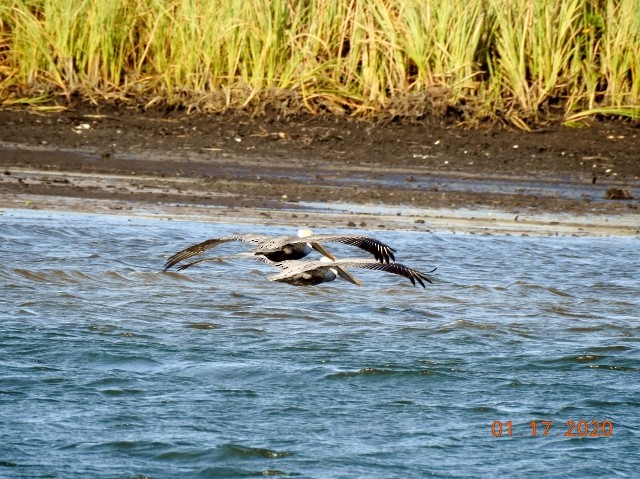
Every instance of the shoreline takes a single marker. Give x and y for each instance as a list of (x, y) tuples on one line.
[(322, 172), (341, 216)]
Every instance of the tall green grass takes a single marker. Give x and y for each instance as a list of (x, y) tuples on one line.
[(517, 61)]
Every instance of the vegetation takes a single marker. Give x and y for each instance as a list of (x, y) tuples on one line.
[(518, 61)]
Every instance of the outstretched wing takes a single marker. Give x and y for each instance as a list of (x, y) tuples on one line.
[(394, 268), (380, 251), (249, 256), (211, 243)]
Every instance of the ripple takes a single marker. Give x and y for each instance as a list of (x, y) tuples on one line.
[(237, 392), (596, 328), (121, 392), (566, 312), (202, 325), (589, 358), (615, 368), (609, 349), (558, 292), (467, 325), (232, 473), (183, 454), (237, 450), (380, 372), (603, 404), (123, 445), (583, 358), (33, 276)]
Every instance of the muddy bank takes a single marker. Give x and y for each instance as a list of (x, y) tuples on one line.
[(334, 171)]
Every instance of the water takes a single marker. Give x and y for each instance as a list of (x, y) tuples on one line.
[(111, 368)]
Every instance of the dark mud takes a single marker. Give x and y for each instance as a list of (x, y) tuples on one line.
[(270, 168)]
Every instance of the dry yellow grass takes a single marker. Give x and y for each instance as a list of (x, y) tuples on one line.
[(518, 61)]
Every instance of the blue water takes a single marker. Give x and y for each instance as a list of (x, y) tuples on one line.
[(111, 368)]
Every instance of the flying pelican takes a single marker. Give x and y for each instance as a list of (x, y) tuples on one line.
[(283, 248), (310, 273)]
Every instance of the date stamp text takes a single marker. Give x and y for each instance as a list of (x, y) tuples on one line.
[(582, 428)]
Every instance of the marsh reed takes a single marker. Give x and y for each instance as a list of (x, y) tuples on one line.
[(517, 61)]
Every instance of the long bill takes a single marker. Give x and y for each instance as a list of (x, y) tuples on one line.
[(321, 249), (344, 274)]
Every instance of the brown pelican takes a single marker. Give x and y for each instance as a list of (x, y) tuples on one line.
[(283, 248), (309, 273)]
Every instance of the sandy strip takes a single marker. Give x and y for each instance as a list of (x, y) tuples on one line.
[(337, 215)]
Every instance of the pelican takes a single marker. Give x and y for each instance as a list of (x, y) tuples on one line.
[(310, 273), (283, 248)]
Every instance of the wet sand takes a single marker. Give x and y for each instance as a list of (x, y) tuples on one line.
[(323, 172)]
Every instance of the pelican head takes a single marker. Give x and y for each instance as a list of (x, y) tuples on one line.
[(342, 272), (304, 233), (307, 233)]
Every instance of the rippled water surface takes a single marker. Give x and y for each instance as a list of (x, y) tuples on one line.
[(111, 368)]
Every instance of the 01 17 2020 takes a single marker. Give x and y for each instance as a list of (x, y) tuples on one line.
[(543, 428)]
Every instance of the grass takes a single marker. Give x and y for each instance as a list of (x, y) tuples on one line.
[(521, 62)]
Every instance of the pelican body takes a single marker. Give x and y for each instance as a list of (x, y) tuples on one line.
[(311, 273), (302, 275), (285, 248)]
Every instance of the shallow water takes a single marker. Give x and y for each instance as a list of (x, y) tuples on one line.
[(111, 368)]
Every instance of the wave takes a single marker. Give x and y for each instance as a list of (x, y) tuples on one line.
[(378, 372), (238, 450)]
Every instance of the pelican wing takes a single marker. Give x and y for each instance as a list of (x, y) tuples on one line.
[(287, 265), (380, 251), (284, 265), (211, 243), (395, 268), (221, 259)]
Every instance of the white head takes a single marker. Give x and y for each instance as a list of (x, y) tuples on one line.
[(335, 271), (304, 233)]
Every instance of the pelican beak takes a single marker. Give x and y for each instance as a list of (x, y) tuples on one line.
[(320, 249), (344, 274)]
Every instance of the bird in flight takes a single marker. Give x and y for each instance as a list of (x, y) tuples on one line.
[(310, 273), (284, 248)]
